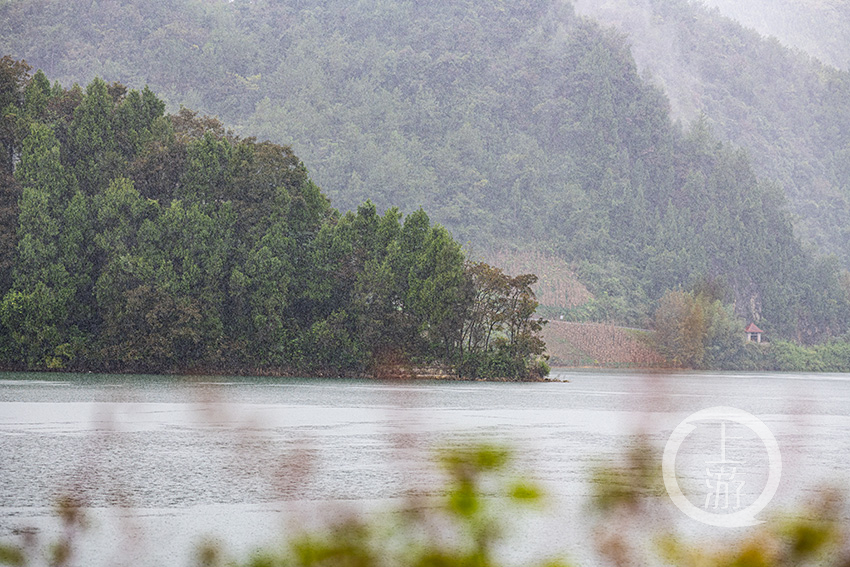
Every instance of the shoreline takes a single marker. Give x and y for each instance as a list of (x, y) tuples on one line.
[(385, 374)]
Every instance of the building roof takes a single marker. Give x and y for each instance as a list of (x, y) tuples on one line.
[(751, 328)]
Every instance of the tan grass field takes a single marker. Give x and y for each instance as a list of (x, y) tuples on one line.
[(575, 344), (598, 344)]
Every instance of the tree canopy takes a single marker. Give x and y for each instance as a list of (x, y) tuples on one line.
[(149, 241), (516, 125)]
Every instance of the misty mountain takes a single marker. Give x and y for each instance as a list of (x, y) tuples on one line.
[(516, 125), (820, 28), (788, 110)]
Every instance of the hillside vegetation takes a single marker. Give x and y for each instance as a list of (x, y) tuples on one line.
[(820, 28), (516, 125), (153, 242), (790, 112)]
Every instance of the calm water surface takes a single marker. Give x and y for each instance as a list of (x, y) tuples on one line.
[(162, 462)]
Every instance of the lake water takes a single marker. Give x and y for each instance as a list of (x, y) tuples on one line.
[(163, 462)]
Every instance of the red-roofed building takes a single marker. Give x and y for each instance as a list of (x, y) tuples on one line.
[(753, 333)]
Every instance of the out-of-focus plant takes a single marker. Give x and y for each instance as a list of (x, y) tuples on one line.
[(634, 525), (461, 529), (60, 552)]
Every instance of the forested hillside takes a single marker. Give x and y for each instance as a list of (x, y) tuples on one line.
[(514, 124), (820, 28), (146, 241), (790, 112)]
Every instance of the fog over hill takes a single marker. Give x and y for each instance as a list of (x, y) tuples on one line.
[(517, 125), (789, 111), (821, 28)]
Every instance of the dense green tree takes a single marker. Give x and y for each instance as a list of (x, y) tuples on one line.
[(266, 279), (14, 77), (16, 104), (500, 335), (9, 196), (152, 330), (188, 248), (135, 117), (48, 273), (37, 95), (93, 151), (436, 284), (121, 211)]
